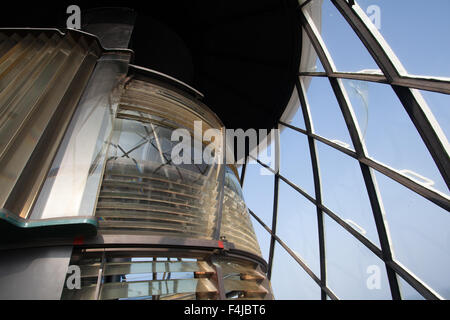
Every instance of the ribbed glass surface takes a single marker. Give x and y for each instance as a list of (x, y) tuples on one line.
[(116, 276), (42, 75), (144, 193)]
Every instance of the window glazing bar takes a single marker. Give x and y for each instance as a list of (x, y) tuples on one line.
[(348, 75), (336, 146), (370, 182), (317, 184), (415, 106), (296, 258), (432, 195), (276, 145), (242, 177), (435, 84), (317, 42), (360, 149), (372, 247)]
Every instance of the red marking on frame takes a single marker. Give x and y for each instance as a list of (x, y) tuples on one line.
[(78, 241)]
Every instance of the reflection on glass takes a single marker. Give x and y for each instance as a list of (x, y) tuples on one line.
[(397, 22), (72, 183), (420, 234), (326, 115), (310, 61), (353, 271), (296, 160), (297, 226), (156, 288), (289, 280), (389, 134), (344, 191), (143, 190)]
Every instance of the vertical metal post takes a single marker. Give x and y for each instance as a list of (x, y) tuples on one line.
[(101, 273), (317, 185), (276, 143), (369, 180), (244, 167), (219, 278), (221, 186)]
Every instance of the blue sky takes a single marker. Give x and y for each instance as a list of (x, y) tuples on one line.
[(418, 33)]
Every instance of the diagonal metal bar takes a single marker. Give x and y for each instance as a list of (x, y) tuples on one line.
[(416, 107), (296, 257), (432, 195), (274, 224), (352, 126), (370, 182), (422, 288), (428, 83), (316, 41), (276, 145), (244, 167)]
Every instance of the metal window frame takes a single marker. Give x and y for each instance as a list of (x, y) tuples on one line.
[(404, 86)]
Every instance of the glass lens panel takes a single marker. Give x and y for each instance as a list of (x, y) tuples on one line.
[(289, 280), (297, 226), (398, 23), (149, 288), (344, 191), (353, 271), (420, 234), (236, 226), (263, 237), (389, 133), (296, 159), (72, 183)]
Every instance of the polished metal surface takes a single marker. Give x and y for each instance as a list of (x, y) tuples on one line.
[(34, 273)]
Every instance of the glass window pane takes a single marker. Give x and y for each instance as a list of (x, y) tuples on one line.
[(239, 170), (344, 191), (353, 271), (389, 133), (296, 159), (309, 61), (344, 46), (266, 152), (289, 280), (258, 192), (293, 114), (426, 22), (326, 114), (297, 226), (420, 234), (440, 106), (408, 292)]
